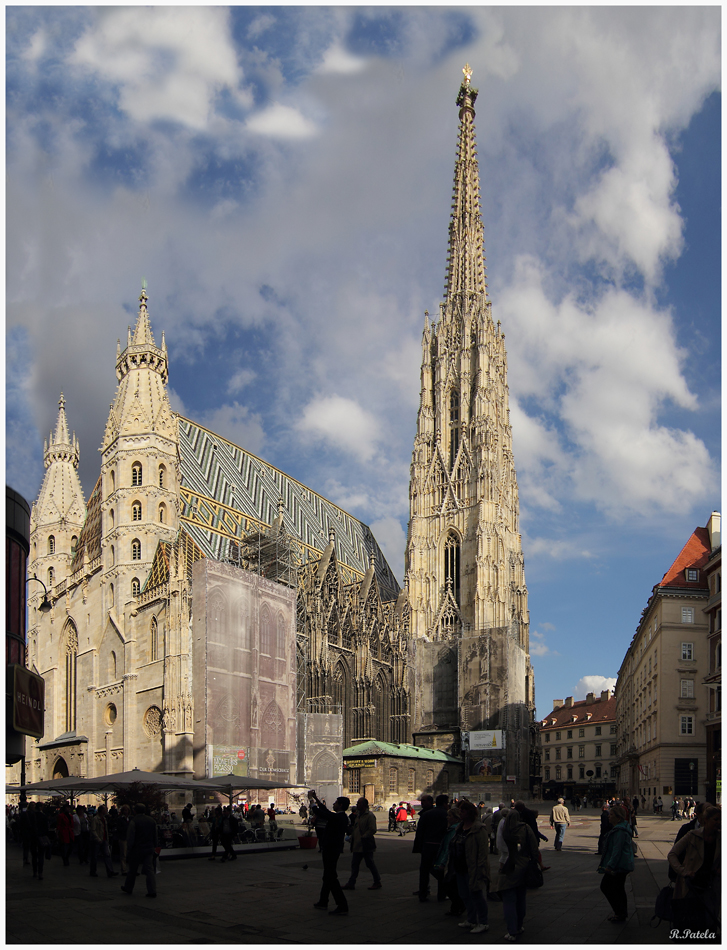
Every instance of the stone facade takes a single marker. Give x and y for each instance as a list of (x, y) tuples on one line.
[(662, 700), (464, 560), (385, 773)]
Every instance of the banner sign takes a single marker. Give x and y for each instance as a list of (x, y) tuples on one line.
[(226, 760), (486, 766), (487, 739), (28, 702)]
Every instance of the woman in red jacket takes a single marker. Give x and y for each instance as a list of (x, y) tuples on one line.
[(64, 830)]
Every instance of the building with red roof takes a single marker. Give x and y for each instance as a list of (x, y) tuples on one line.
[(578, 747), (662, 700)]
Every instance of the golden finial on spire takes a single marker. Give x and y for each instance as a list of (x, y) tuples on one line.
[(467, 74)]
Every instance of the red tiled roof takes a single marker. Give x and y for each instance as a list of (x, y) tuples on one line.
[(695, 553), (580, 713)]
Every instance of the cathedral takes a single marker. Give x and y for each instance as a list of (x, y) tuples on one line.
[(212, 614)]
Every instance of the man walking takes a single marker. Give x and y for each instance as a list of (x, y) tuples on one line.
[(100, 843), (364, 845), (141, 841), (334, 833), (431, 829), (559, 819)]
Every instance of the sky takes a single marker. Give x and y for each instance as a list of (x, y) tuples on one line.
[(282, 178)]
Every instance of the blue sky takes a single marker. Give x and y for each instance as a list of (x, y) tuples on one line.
[(281, 176)]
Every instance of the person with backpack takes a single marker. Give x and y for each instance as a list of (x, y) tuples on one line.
[(617, 862)]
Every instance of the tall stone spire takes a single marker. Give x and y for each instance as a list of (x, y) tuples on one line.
[(465, 257), (60, 446), (464, 561)]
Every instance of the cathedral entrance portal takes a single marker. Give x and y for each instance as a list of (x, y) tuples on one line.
[(60, 769)]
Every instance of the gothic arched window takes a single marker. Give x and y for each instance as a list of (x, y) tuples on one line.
[(136, 550), (217, 615), (136, 511), (136, 474), (113, 555), (51, 545), (111, 595), (162, 514), (451, 564), (70, 651), (51, 577), (273, 727), (453, 427), (135, 587), (112, 667), (266, 632), (162, 476), (280, 639), (154, 640)]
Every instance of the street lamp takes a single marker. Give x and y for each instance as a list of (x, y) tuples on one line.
[(691, 778), (45, 604)]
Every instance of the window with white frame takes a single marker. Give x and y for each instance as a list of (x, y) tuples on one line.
[(687, 614), (581, 752), (692, 574), (547, 775), (687, 651), (547, 755), (687, 690), (558, 771), (598, 750), (686, 725)]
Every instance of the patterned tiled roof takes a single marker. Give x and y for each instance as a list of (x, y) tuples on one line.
[(227, 492), (89, 540), (402, 749), (600, 710), (695, 553)]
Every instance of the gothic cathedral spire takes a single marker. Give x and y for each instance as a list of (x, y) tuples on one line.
[(464, 561)]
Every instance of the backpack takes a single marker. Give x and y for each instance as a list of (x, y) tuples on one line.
[(663, 908)]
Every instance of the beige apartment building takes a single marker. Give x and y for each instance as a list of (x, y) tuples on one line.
[(578, 747), (713, 679), (662, 701)]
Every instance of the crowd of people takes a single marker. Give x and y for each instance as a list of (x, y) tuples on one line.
[(454, 841)]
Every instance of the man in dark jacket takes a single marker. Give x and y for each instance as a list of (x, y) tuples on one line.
[(605, 828), (431, 828), (696, 822), (141, 842), (334, 834)]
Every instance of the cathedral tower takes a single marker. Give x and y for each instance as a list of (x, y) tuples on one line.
[(59, 511), (464, 561)]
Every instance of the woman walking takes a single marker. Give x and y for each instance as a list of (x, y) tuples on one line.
[(469, 849), (618, 861), (696, 860), (518, 847)]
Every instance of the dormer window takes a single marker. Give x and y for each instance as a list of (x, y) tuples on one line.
[(692, 574)]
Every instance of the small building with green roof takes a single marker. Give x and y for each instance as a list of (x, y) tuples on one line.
[(387, 772)]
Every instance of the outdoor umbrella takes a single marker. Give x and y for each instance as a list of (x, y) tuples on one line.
[(229, 784)]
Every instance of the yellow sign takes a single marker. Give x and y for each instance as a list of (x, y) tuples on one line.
[(360, 763)]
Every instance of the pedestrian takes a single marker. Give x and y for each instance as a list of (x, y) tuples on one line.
[(228, 830), (468, 850), (402, 819), (38, 838), (431, 829), (303, 812), (497, 817), (674, 809), (100, 843), (444, 867), (141, 842), (661, 805), (559, 820), (605, 828), (187, 832), (530, 817), (84, 840), (695, 824), (696, 860), (334, 833), (392, 818), (363, 846), (215, 830), (618, 861), (518, 848), (64, 832)]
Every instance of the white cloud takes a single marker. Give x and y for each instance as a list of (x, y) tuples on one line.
[(239, 380), (593, 684), (280, 121), (337, 59), (232, 421), (342, 423), (538, 646), (392, 540), (557, 550), (168, 62)]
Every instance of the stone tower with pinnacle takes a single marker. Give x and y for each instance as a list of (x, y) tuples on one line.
[(59, 511), (464, 561)]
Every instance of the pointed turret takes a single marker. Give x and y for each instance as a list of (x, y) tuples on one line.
[(60, 509), (466, 256)]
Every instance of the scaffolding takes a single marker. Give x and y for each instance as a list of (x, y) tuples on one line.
[(268, 552)]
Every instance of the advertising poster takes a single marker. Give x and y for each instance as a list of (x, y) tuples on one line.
[(228, 760), (486, 765)]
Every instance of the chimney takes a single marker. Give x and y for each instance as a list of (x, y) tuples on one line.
[(605, 695), (713, 526), (557, 703), (568, 701), (590, 699)]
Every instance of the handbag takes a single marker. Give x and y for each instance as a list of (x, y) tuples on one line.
[(663, 908), (533, 875)]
